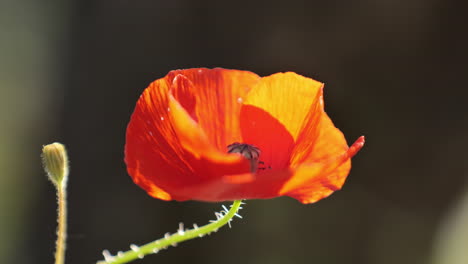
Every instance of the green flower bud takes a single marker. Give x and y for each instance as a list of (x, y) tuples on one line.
[(55, 161)]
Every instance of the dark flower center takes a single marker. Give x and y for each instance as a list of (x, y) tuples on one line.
[(250, 152)]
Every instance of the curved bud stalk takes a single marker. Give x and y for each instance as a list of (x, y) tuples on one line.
[(55, 161)]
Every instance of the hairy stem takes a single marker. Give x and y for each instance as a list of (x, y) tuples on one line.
[(181, 235), (62, 225)]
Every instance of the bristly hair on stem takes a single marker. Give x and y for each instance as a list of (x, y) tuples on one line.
[(222, 218), (55, 161)]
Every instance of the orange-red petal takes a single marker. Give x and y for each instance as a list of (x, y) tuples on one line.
[(313, 181), (274, 112), (284, 116), (167, 150), (287, 97), (318, 139), (213, 98), (307, 183)]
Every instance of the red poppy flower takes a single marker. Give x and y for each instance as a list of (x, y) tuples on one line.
[(178, 136)]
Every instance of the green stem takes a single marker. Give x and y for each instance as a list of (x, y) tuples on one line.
[(181, 235), (62, 225)]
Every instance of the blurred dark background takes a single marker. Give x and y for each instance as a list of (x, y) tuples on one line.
[(395, 71)]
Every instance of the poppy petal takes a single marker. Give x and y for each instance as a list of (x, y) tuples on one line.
[(243, 186), (213, 98), (273, 114), (318, 139), (314, 181), (167, 151), (286, 97), (306, 183), (264, 131)]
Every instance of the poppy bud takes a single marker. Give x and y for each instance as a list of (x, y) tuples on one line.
[(55, 161)]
